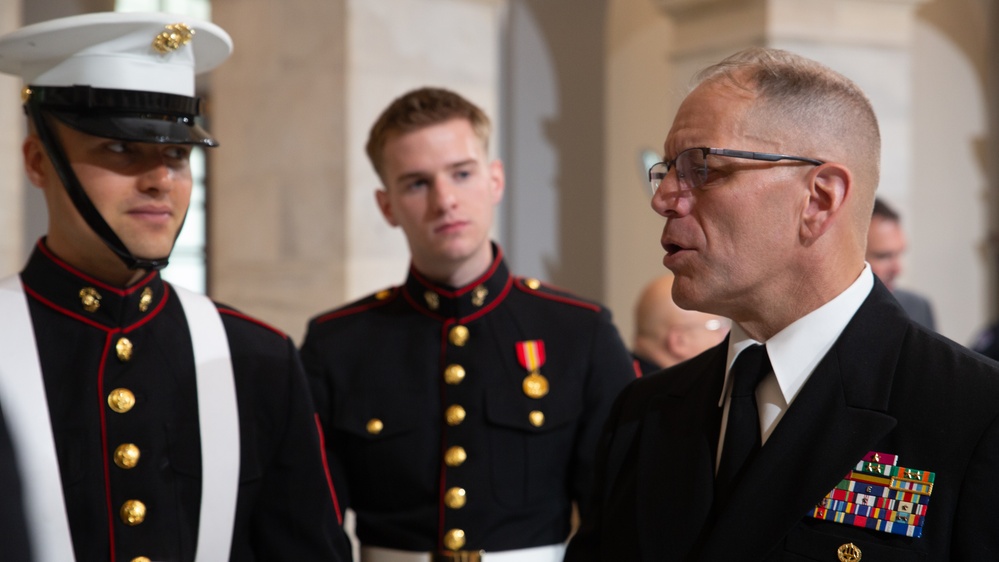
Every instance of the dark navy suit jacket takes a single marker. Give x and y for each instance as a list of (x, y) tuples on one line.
[(886, 385)]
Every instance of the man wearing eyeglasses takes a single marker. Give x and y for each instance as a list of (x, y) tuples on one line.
[(851, 432)]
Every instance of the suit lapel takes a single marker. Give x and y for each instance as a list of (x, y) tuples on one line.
[(837, 418)]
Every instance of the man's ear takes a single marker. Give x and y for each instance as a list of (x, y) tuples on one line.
[(385, 206), (35, 160), (831, 184), (497, 180)]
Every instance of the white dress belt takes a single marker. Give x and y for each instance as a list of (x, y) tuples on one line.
[(25, 409), (549, 553)]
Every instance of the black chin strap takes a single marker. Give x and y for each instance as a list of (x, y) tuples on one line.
[(79, 197)]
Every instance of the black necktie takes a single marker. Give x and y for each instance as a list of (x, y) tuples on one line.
[(742, 434)]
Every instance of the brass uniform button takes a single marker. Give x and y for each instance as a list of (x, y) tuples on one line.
[(535, 385), (133, 512), (849, 552), (141, 559), (455, 456), (454, 374), (375, 426), (124, 349), (126, 455), (121, 400), (532, 284), (537, 418), (146, 299), (383, 294), (90, 299), (458, 335), (455, 498), (454, 415), (454, 539)]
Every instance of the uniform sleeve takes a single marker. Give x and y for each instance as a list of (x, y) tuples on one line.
[(298, 516), (585, 544), (610, 370), (321, 387)]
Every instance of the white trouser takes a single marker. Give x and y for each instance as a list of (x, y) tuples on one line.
[(550, 553)]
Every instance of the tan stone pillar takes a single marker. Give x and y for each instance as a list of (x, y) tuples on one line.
[(275, 193), (11, 176), (992, 161)]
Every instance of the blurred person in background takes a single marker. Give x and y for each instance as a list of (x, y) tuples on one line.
[(886, 242), (666, 334)]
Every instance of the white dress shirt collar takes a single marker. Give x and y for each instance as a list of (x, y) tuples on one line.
[(794, 353)]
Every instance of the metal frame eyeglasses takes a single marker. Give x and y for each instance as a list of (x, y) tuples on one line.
[(692, 165)]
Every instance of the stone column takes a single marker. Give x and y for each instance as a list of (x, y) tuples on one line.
[(992, 159), (554, 127), (275, 190), (11, 174)]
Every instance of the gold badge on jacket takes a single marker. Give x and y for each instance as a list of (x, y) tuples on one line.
[(531, 356), (879, 494)]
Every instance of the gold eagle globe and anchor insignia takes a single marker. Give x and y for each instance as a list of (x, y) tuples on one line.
[(479, 295), (432, 299), (145, 299), (90, 299), (175, 36), (531, 356)]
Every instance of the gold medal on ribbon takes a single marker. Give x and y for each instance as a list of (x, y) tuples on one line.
[(531, 356), (535, 385)]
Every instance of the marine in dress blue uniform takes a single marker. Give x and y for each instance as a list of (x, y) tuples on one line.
[(463, 406), (437, 444), (119, 375), (115, 349)]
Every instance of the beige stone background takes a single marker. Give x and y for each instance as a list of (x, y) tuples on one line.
[(577, 88)]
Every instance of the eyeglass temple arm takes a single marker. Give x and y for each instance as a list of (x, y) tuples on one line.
[(769, 157)]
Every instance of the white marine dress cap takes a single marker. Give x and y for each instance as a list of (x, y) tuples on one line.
[(119, 75), (104, 72)]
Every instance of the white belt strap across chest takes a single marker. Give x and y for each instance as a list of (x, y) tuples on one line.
[(218, 419), (25, 409)]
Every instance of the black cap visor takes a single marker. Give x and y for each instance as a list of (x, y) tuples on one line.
[(124, 115), (162, 129)]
